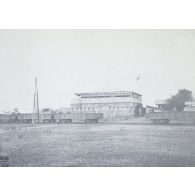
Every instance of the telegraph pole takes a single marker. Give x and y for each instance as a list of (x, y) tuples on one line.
[(36, 103)]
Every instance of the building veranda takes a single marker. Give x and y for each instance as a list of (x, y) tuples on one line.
[(118, 104)]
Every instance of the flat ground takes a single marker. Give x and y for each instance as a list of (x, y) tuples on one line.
[(98, 145)]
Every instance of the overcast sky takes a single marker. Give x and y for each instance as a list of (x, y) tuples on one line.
[(69, 61)]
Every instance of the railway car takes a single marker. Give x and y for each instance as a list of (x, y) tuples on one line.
[(46, 118), (13, 118), (172, 117), (30, 117), (4, 118), (26, 118), (86, 117), (63, 118), (51, 118), (8, 118)]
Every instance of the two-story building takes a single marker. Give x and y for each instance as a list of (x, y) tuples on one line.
[(117, 104)]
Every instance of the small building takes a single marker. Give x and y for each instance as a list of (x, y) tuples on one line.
[(151, 109), (117, 104), (161, 105), (189, 106)]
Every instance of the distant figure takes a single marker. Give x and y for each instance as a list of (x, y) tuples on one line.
[(138, 78)]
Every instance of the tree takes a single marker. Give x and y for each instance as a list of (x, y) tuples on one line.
[(47, 110), (138, 110), (177, 102), (16, 110)]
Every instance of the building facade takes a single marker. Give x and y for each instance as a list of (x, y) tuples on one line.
[(119, 104), (189, 106)]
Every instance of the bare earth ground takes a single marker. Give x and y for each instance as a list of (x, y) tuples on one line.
[(98, 145)]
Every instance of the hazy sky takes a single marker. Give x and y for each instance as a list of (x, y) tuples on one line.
[(69, 61)]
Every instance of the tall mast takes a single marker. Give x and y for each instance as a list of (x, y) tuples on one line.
[(36, 103)]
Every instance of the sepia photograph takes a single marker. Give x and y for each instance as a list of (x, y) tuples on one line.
[(97, 98)]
